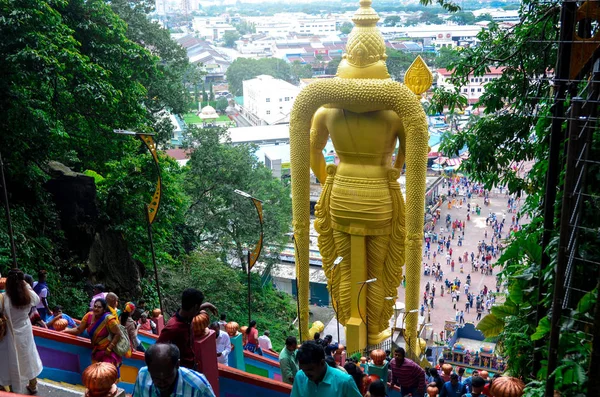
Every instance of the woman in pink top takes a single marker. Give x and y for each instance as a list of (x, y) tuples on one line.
[(252, 339)]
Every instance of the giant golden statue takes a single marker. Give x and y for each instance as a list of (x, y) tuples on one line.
[(361, 214)]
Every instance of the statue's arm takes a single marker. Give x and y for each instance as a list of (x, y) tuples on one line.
[(401, 157), (318, 139)]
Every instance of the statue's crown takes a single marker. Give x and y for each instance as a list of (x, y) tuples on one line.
[(365, 46)]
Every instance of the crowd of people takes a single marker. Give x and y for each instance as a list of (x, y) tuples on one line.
[(451, 258)]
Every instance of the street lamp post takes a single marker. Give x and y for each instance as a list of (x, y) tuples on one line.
[(334, 302), (392, 298), (151, 210), (253, 255), (11, 235), (365, 320)]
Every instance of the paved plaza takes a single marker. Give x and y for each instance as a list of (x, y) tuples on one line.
[(475, 230)]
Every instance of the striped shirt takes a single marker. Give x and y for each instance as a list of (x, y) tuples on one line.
[(408, 375), (188, 384)]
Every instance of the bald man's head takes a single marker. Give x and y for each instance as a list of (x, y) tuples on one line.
[(163, 361), (112, 299)]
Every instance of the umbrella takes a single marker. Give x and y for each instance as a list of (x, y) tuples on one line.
[(440, 160)]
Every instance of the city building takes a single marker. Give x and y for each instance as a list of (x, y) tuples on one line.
[(476, 85), (212, 28), (268, 100), (200, 51)]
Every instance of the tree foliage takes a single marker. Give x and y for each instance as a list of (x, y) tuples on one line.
[(245, 69), (230, 37), (222, 219)]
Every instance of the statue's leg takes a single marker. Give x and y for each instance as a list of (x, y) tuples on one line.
[(353, 298), (341, 284), (378, 325)]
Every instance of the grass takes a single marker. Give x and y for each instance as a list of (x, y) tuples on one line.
[(192, 118)]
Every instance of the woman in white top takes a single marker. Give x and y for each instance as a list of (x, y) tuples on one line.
[(20, 361)]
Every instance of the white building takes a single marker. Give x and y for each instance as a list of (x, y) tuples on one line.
[(315, 26), (212, 28), (268, 100), (476, 86)]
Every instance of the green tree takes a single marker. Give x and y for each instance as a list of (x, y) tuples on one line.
[(346, 28), (245, 27), (391, 20), (446, 57), (245, 69), (484, 17), (332, 66), (463, 18), (299, 71), (430, 18), (220, 217), (230, 37)]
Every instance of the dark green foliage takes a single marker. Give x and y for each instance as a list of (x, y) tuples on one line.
[(245, 69)]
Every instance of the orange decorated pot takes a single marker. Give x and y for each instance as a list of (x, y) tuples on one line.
[(378, 357), (156, 313), (60, 324), (232, 328), (447, 369), (432, 390), (200, 323), (99, 380), (506, 386)]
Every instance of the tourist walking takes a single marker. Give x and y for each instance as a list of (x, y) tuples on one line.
[(287, 360), (20, 361), (223, 344), (103, 329), (178, 329), (407, 374), (163, 376), (317, 379), (252, 339), (41, 289)]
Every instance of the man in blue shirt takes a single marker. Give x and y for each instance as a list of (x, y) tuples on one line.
[(453, 388), (58, 313), (162, 377), (317, 379)]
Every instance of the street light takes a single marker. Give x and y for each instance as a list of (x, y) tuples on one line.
[(336, 262), (152, 208), (253, 255), (406, 313), (366, 321)]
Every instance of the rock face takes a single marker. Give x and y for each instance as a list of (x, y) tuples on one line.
[(105, 251)]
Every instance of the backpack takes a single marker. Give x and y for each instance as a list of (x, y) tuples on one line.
[(123, 346)]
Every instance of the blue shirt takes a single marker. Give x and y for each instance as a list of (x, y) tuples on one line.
[(188, 384), (449, 390), (334, 383), (70, 322)]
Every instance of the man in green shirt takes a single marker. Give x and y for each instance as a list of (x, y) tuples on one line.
[(317, 379), (287, 360)]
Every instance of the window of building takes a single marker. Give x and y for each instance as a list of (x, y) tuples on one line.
[(268, 112), (280, 99), (287, 98), (465, 90), (479, 90), (472, 90), (268, 99)]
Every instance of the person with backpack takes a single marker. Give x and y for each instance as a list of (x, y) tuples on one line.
[(41, 289)]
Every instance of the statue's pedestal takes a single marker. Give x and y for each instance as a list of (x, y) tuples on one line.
[(356, 335), (205, 350), (236, 357)]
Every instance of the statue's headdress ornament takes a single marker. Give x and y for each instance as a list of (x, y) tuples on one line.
[(365, 50)]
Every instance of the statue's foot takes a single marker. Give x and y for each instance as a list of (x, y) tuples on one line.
[(375, 339)]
